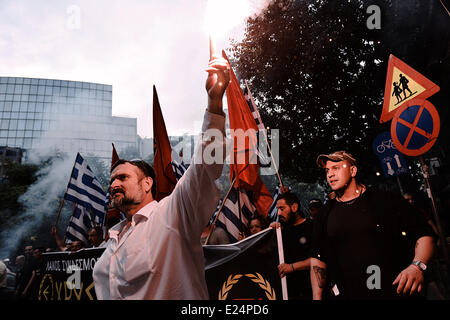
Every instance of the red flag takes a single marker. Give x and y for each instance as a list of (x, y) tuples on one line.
[(247, 171), (162, 161), (113, 214), (115, 156)]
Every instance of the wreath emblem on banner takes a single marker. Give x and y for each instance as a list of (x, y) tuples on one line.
[(255, 277)]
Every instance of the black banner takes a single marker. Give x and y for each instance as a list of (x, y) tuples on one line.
[(246, 270), (68, 275)]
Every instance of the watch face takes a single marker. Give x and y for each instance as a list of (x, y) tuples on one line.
[(421, 265)]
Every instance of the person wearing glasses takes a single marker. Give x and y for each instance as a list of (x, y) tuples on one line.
[(156, 252)]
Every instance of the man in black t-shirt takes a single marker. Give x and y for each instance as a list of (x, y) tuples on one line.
[(366, 244), (296, 233)]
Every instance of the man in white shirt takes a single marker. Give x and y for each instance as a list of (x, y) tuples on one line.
[(156, 252)]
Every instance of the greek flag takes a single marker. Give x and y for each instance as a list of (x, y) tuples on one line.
[(251, 104), (264, 159), (273, 211), (85, 190), (178, 169), (230, 219), (79, 225)]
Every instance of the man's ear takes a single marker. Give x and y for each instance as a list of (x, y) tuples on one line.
[(353, 170), (294, 207), (148, 182)]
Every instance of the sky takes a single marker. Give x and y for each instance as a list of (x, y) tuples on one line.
[(131, 45)]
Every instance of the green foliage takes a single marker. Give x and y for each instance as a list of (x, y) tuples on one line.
[(313, 80), (318, 73)]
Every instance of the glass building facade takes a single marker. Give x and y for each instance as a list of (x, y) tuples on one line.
[(64, 115)]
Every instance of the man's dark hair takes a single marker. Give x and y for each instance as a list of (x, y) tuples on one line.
[(40, 248), (290, 198), (145, 168)]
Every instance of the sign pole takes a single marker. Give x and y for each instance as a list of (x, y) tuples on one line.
[(400, 185), (435, 212)]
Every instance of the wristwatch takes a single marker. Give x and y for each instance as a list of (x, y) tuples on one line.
[(422, 266)]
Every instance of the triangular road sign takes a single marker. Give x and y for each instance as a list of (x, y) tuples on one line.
[(403, 83)]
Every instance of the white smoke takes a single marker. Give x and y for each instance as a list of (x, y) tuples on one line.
[(40, 201)]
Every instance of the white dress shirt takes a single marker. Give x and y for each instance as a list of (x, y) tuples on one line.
[(160, 256)]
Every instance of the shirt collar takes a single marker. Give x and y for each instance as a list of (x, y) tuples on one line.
[(143, 214)]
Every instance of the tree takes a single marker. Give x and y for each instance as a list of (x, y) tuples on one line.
[(318, 74)]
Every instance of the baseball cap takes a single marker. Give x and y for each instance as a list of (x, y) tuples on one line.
[(335, 157)]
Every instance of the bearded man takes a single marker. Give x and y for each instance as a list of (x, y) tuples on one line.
[(156, 252)]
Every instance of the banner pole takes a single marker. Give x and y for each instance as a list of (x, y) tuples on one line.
[(281, 258), (59, 211)]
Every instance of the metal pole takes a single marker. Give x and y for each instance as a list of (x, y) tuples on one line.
[(435, 212), (400, 185)]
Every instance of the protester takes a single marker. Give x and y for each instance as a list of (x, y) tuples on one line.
[(256, 224), (37, 273), (156, 252), (76, 245), (367, 244), (314, 207), (5, 294), (59, 241), (24, 277), (95, 237), (296, 233)]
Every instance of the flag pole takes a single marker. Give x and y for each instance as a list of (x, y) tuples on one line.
[(67, 188), (59, 211), (239, 192), (220, 210), (265, 136)]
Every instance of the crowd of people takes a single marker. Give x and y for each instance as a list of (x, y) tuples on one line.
[(359, 244), (19, 280)]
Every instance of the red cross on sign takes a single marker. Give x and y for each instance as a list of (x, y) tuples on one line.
[(415, 127)]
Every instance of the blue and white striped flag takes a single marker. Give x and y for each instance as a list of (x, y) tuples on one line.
[(229, 219), (251, 104), (79, 225), (85, 190), (273, 211), (178, 169)]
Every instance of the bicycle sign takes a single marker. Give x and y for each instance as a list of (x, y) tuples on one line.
[(392, 161), (383, 145), (386, 144)]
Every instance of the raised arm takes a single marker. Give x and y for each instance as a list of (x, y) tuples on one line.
[(196, 195), (58, 239), (216, 83)]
